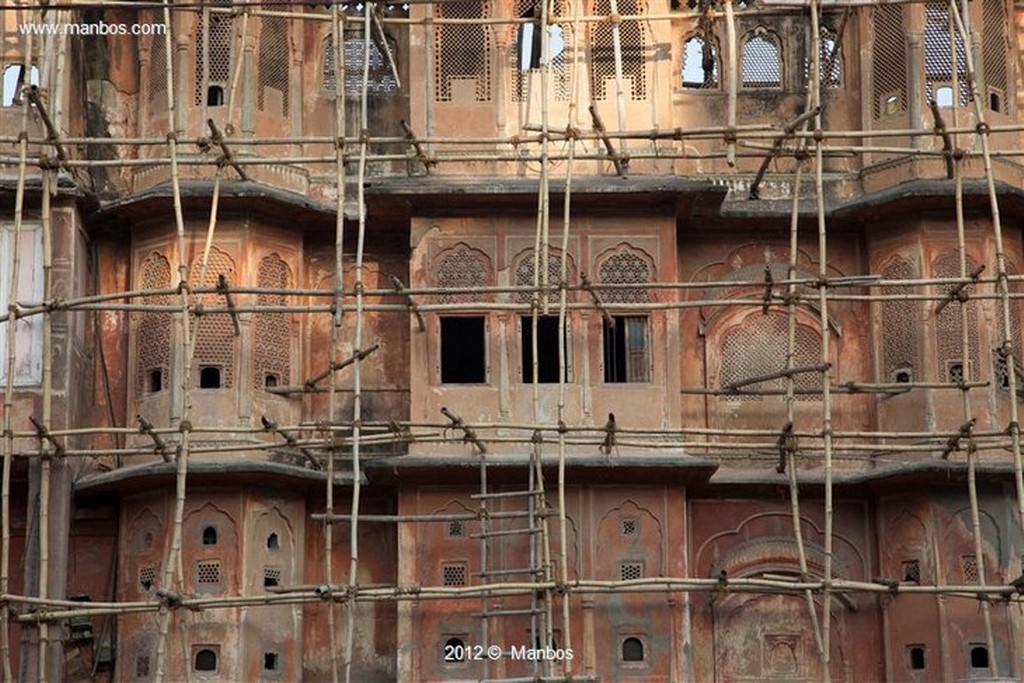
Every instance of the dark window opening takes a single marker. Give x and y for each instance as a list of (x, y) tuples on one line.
[(463, 350), (995, 102), (956, 373), (156, 380), (979, 657), (270, 380), (147, 540), (903, 376), (912, 571), (632, 650), (916, 653), (625, 350), (271, 577), (273, 542), (209, 536), (270, 661), (456, 529), (206, 660), (209, 377), (528, 40), (142, 666), (454, 652), (215, 96), (547, 349)]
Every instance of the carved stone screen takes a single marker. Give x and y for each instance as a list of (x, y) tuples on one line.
[(271, 330), (153, 336)]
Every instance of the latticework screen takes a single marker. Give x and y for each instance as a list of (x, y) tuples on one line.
[(889, 61), (758, 347), (271, 330), (157, 68), (949, 327), (273, 64), (220, 52), (215, 336), (900, 343), (525, 274), (938, 63), (633, 47), (995, 22), (761, 61), (462, 267), (153, 336), (831, 59), (625, 267), (463, 52), (528, 55), (700, 63), (380, 80)]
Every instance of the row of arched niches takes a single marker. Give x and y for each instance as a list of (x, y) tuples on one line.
[(468, 79)]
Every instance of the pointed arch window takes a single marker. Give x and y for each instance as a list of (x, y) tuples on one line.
[(463, 53), (215, 64), (272, 86), (700, 63), (761, 61), (633, 40)]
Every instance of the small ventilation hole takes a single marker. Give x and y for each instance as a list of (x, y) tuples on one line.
[(271, 577), (206, 660), (632, 650), (456, 529), (453, 574), (270, 661), (209, 535), (273, 541), (916, 653)]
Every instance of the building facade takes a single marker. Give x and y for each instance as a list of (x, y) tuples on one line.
[(584, 242)]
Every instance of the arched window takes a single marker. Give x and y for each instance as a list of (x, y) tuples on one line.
[(938, 63), (271, 329), (625, 266), (889, 60), (209, 535), (273, 541), (632, 650), (274, 53), (761, 63), (462, 266), (153, 335), (215, 332), (205, 660), (633, 47), (463, 53), (525, 272), (381, 79), (949, 326), (899, 328), (14, 81), (528, 53), (831, 60), (700, 63), (220, 56), (995, 37), (758, 347)]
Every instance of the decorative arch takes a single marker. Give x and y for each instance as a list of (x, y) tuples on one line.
[(959, 547), (153, 335), (463, 52), (750, 347), (634, 44), (647, 545), (761, 65), (215, 332), (274, 56), (625, 264), (901, 343), (830, 56), (995, 20), (462, 266), (526, 53), (272, 330), (526, 265), (949, 325), (701, 64), (464, 529)]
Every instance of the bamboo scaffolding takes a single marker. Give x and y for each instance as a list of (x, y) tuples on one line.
[(549, 589)]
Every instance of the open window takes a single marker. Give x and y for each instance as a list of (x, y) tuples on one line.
[(547, 349), (700, 63), (14, 80), (463, 350), (627, 350)]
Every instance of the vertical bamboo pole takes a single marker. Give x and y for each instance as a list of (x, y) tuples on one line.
[(173, 558), (357, 397), (732, 79), (8, 433), (338, 45), (42, 583), (819, 199)]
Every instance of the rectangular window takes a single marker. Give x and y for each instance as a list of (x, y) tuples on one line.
[(463, 350), (547, 349), (28, 332), (626, 355)]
